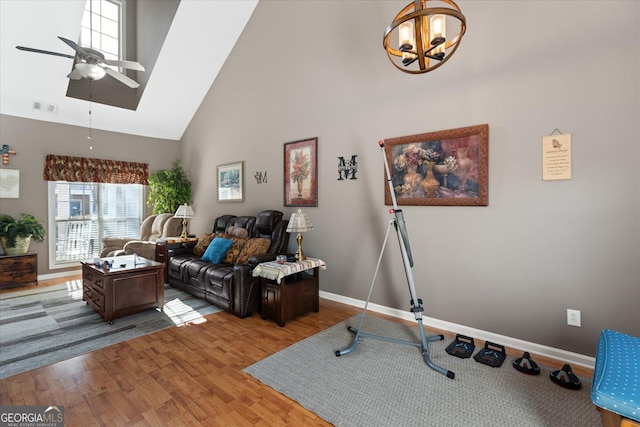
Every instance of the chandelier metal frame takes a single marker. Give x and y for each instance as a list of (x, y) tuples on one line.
[(427, 53)]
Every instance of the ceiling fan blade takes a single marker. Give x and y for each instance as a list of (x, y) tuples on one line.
[(73, 45), (30, 49), (131, 65), (121, 77), (75, 74)]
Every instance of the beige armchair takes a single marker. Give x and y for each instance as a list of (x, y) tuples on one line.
[(153, 228)]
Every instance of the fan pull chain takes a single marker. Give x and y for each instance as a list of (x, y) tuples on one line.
[(90, 137)]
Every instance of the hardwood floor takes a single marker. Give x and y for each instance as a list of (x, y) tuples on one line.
[(181, 376)]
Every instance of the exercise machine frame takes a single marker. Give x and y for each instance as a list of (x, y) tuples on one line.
[(398, 223)]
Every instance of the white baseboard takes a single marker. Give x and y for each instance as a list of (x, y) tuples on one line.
[(514, 343), (58, 275)]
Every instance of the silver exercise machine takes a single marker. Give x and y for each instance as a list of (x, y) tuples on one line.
[(397, 222)]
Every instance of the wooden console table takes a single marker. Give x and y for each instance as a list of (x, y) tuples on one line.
[(120, 291), (289, 290), (19, 269)]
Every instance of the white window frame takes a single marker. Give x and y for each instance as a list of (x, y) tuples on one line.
[(121, 27), (97, 222)]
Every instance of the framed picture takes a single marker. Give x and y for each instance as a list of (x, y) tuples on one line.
[(9, 183), (230, 182), (445, 168), (301, 173)]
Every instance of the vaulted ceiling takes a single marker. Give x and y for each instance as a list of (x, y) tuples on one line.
[(200, 37)]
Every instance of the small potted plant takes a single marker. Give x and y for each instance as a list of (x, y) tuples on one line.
[(16, 234)]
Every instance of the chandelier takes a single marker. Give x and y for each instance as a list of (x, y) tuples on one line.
[(421, 31)]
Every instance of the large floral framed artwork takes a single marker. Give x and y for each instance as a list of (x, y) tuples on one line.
[(444, 168), (301, 173)]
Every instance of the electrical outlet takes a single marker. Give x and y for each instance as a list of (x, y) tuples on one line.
[(573, 317)]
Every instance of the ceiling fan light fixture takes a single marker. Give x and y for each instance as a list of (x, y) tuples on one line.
[(91, 64), (90, 71)]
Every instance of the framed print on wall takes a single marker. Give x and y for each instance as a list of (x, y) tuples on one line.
[(444, 168), (301, 173), (230, 182), (9, 183)]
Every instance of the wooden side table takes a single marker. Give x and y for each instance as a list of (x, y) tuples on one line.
[(18, 269), (289, 290)]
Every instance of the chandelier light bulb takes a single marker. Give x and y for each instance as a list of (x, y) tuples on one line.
[(438, 31), (438, 26), (406, 36)]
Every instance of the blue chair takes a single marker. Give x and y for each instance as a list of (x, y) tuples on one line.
[(616, 379)]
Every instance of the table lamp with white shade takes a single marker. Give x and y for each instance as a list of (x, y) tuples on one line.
[(299, 223), (185, 212)]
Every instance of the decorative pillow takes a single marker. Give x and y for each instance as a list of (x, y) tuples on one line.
[(202, 244), (254, 246), (217, 249), (238, 232), (234, 251), (225, 235)]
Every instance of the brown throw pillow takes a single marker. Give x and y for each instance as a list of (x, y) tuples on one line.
[(254, 246), (202, 244), (234, 251)]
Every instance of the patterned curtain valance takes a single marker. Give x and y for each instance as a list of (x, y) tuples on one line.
[(82, 169)]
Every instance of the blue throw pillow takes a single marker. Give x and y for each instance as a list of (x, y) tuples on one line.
[(217, 249)]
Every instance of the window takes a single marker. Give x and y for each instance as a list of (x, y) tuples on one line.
[(102, 27), (81, 214)]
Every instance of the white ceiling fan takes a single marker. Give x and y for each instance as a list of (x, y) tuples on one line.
[(91, 64)]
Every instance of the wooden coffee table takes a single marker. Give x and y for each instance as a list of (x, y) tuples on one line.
[(131, 285)]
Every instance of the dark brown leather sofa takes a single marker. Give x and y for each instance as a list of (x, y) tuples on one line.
[(231, 287)]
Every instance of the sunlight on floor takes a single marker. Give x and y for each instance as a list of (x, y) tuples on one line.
[(181, 314), (75, 289)]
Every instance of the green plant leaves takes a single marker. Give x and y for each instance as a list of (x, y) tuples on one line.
[(27, 225), (169, 189)]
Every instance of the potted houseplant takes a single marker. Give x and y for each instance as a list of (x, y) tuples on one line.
[(169, 189), (16, 234)]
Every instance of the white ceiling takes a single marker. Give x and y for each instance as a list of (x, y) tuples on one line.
[(201, 36)]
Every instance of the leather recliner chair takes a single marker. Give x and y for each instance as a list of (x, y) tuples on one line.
[(154, 227)]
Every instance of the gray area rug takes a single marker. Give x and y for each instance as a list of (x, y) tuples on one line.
[(383, 383), (52, 323)]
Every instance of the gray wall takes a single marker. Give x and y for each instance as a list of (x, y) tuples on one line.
[(317, 68), (33, 140)]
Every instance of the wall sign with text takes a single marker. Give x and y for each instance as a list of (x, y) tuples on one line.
[(556, 157)]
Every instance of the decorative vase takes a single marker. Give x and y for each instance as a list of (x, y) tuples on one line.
[(411, 179), (430, 184), (21, 247), (299, 182), (442, 170), (464, 164)]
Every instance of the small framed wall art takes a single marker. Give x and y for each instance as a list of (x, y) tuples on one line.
[(301, 173), (444, 168), (9, 183), (230, 182)]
